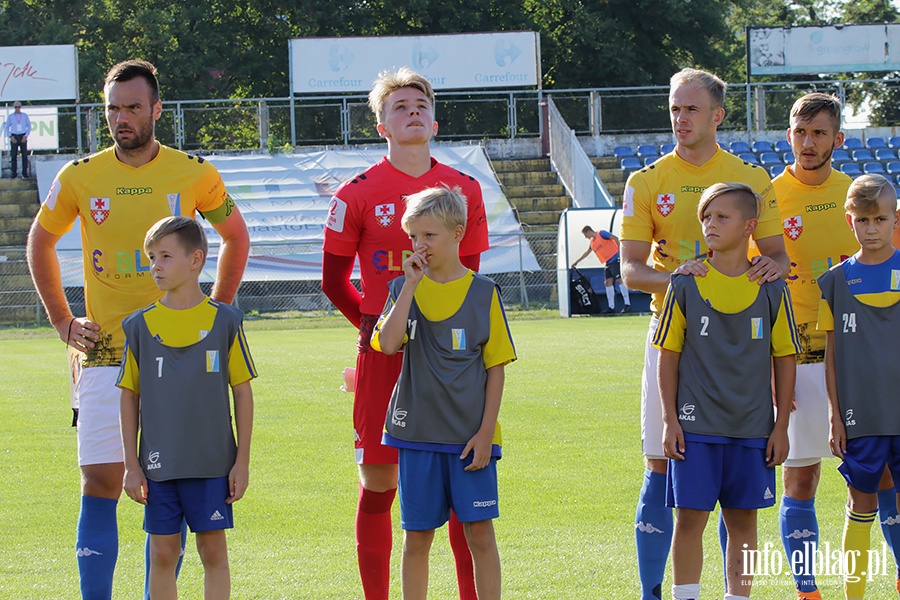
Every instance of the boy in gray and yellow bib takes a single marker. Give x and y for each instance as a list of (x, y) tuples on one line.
[(717, 337), (442, 416), (181, 355)]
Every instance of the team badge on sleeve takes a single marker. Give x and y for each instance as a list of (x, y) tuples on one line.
[(665, 204), (337, 212), (99, 210), (793, 227), (384, 214)]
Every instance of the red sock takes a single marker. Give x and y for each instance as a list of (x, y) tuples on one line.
[(374, 541), (465, 572)]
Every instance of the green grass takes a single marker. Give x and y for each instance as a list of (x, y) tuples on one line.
[(568, 483)]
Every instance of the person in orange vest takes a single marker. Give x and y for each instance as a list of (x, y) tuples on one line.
[(606, 246)]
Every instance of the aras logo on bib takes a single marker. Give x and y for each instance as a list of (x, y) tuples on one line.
[(793, 227), (99, 210), (665, 204)]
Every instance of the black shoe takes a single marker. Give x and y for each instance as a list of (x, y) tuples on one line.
[(625, 309), (13, 176)]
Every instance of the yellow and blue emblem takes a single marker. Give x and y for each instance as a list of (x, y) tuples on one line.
[(756, 328), (459, 339), (212, 361)]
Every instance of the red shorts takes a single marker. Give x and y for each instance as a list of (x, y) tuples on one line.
[(376, 376)]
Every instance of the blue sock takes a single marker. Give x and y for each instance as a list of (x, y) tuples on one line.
[(653, 533), (800, 536), (890, 522), (723, 542), (147, 559), (97, 547)]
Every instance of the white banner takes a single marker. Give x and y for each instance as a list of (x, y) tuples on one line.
[(38, 73), (834, 49), (457, 61), (284, 200), (44, 127)]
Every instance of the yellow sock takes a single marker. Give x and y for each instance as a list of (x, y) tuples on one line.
[(857, 544)]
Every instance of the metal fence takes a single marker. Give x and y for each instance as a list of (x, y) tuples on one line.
[(271, 124), (19, 304), (572, 164)]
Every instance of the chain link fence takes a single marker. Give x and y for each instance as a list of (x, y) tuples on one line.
[(521, 289)]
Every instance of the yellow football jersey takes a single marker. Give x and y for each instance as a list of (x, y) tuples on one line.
[(117, 204), (660, 206)]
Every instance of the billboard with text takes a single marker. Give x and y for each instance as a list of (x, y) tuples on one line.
[(29, 73)]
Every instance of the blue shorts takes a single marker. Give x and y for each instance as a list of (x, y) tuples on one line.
[(734, 475), (200, 502), (431, 483), (865, 459)]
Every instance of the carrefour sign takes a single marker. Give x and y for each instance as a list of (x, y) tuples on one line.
[(455, 61)]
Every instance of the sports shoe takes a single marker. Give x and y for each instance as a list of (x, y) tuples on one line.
[(625, 309)]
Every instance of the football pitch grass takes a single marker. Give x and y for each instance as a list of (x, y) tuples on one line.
[(568, 482)]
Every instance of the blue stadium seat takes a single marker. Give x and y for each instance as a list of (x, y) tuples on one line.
[(873, 167), (739, 147), (666, 148), (862, 155), (894, 142), (649, 160), (631, 163), (851, 168), (782, 146), (840, 156), (623, 151), (770, 158), (885, 154), (893, 167), (898, 183), (760, 146), (748, 157), (776, 170), (723, 146), (788, 158), (875, 143), (853, 144), (647, 150)]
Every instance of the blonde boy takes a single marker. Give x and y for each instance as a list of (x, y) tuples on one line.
[(717, 336), (859, 312), (181, 354), (442, 416)]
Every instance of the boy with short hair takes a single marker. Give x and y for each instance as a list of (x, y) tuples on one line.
[(181, 354), (442, 416), (717, 337), (859, 312), (606, 246)]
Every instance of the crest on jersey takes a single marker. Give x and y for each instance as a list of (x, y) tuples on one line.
[(793, 227), (99, 210), (384, 214), (174, 203), (665, 204)]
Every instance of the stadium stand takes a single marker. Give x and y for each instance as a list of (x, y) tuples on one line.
[(893, 167), (645, 150), (851, 168), (739, 147), (631, 163), (748, 157), (874, 143), (873, 167), (852, 143), (666, 148), (770, 158), (894, 142), (840, 156), (788, 157), (649, 160), (623, 151), (885, 154), (782, 146), (760, 146), (776, 170)]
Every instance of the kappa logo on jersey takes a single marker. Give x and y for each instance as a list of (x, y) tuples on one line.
[(459, 339), (174, 203), (99, 210), (665, 204), (212, 361), (337, 212), (895, 280), (756, 328), (384, 214), (793, 227)]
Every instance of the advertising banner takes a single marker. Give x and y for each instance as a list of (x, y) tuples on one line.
[(29, 73)]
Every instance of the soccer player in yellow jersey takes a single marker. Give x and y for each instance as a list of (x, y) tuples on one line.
[(811, 197), (660, 208), (119, 194)]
